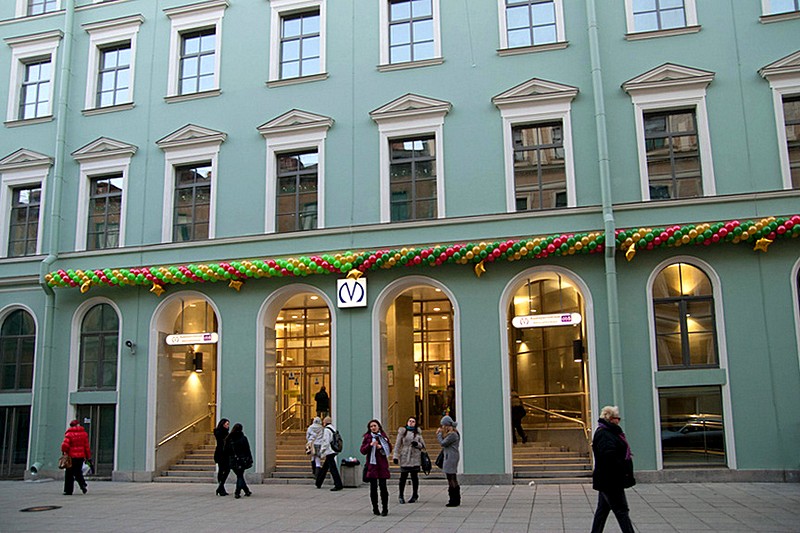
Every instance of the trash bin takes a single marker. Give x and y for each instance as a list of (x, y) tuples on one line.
[(351, 472)]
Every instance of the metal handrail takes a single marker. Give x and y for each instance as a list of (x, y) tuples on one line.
[(281, 420), (391, 416), (185, 428), (586, 431)]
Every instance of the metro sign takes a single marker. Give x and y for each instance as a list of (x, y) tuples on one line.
[(183, 339), (351, 293), (544, 321)]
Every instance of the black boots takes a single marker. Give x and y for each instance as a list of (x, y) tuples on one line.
[(384, 504), (221, 490), (455, 497)]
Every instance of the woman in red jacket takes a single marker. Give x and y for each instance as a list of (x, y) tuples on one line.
[(76, 445), (377, 449)]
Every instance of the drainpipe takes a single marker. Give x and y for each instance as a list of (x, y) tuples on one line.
[(45, 355), (609, 225)]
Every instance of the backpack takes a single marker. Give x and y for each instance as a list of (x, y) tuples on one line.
[(336, 440)]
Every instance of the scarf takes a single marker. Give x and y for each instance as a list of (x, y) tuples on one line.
[(621, 434), (383, 442), (411, 429)]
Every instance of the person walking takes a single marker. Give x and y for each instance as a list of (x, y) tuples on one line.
[(517, 414), (237, 448), (323, 402), (407, 453), (76, 445), (375, 446), (328, 457), (314, 443), (449, 438), (223, 464), (613, 471)]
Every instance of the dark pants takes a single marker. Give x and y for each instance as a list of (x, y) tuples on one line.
[(373, 493), (612, 500), (73, 474), (330, 463), (414, 481), (222, 473), (516, 428), (241, 484)]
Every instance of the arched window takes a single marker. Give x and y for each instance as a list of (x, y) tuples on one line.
[(17, 346), (99, 347), (685, 326)]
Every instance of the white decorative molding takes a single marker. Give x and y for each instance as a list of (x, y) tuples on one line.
[(24, 158), (104, 147), (783, 76), (669, 76), (410, 105), (294, 120), (191, 135), (535, 91)]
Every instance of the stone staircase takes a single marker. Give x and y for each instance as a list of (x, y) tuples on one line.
[(197, 466), (542, 462)]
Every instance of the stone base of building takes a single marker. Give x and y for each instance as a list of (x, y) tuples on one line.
[(717, 475), (486, 479), (136, 476)]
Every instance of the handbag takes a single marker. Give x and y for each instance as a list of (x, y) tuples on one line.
[(440, 460), (309, 448), (64, 462), (425, 462), (628, 480)]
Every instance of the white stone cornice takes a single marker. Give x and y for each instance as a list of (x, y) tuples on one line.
[(294, 121), (786, 65), (411, 105), (24, 158), (34, 38), (669, 76), (104, 147), (195, 8), (103, 25), (534, 91), (190, 135)]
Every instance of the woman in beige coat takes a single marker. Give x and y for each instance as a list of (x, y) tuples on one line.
[(407, 451)]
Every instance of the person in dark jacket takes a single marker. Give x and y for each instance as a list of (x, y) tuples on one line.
[(613, 471), (323, 402), (517, 415), (223, 464), (76, 445), (237, 449), (375, 446)]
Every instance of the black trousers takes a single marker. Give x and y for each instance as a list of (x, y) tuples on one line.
[(414, 481), (612, 500), (516, 428), (223, 472), (329, 464), (73, 474), (241, 484), (373, 492)]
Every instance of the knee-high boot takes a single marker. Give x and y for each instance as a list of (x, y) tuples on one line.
[(384, 503), (373, 496), (455, 497)]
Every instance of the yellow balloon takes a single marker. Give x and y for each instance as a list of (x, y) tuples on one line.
[(469, 255)]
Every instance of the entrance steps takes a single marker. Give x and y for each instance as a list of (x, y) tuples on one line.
[(543, 463), (197, 466)]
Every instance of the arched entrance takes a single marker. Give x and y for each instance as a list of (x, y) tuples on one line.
[(185, 408), (548, 354)]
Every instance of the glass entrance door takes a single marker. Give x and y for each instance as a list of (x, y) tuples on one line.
[(15, 424), (434, 398), (99, 421)]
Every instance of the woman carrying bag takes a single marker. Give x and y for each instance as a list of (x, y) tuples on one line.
[(449, 438), (408, 454), (237, 448), (375, 445)]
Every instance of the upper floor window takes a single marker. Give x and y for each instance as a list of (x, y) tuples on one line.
[(192, 202), (685, 325), (673, 155), (37, 7), (412, 178), (24, 226), (17, 348), (31, 79), (105, 210), (99, 348), (777, 7), (661, 17), (791, 118), (410, 32), (22, 180), (197, 61), (113, 76), (300, 45), (297, 191), (540, 178), (783, 76), (525, 23), (34, 101)]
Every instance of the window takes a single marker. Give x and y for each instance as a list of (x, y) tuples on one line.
[(410, 32), (685, 326), (297, 41), (15, 426), (24, 226), (99, 348), (411, 130), (692, 426), (31, 79), (784, 80), (791, 117), (113, 76), (17, 349), (661, 17), (777, 7), (192, 202), (531, 23), (105, 209), (537, 136), (673, 156), (672, 132), (99, 421), (297, 191), (412, 178), (37, 7), (194, 64)]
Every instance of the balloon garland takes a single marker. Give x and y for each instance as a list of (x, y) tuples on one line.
[(631, 241)]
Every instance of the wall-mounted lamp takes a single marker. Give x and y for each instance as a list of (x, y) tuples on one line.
[(577, 350), (198, 362), (131, 346)]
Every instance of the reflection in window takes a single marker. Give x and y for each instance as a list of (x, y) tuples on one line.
[(197, 64), (23, 231), (105, 208), (99, 348), (530, 22), (673, 155), (540, 179), (297, 191), (17, 346), (300, 45), (791, 117), (653, 15), (692, 429), (192, 202), (34, 98), (683, 304), (410, 30), (412, 178)]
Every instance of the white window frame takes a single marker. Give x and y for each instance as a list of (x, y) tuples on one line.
[(292, 132), (784, 80), (100, 158), (22, 9), (561, 37), (722, 352), (278, 10), (766, 11), (23, 49), (182, 150), (183, 19), (102, 34), (686, 92), (27, 169), (532, 102), (384, 39), (692, 25)]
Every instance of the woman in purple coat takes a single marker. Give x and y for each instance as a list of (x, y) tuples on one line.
[(375, 446)]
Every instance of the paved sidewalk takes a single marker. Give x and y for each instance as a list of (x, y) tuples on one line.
[(176, 508)]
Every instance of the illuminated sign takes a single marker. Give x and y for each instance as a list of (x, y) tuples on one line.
[(543, 321), (182, 339)]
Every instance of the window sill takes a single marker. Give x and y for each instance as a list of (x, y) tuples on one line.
[(779, 17), (10, 398), (638, 36), (107, 109), (192, 96), (299, 79), (411, 64), (532, 49), (28, 121), (93, 396)]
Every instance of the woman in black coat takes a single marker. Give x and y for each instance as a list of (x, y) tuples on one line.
[(237, 449), (613, 471), (223, 465)]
